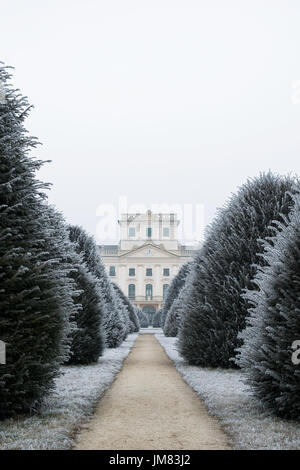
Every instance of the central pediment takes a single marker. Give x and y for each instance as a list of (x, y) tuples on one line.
[(149, 250)]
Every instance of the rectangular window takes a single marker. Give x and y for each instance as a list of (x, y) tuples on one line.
[(131, 272), (166, 272), (149, 232), (131, 232), (166, 232), (112, 271), (149, 272)]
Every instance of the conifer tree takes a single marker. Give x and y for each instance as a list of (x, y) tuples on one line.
[(175, 315), (36, 295), (115, 328), (133, 318), (157, 319), (214, 311), (121, 308), (114, 320), (143, 319), (267, 355), (173, 290), (88, 338)]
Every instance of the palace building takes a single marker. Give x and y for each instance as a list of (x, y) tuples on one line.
[(147, 257)]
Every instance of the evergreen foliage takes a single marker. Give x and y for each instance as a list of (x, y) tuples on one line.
[(122, 310), (157, 319), (175, 315), (174, 289), (143, 319), (88, 339), (115, 328), (36, 295), (274, 324), (114, 321), (214, 311), (133, 318)]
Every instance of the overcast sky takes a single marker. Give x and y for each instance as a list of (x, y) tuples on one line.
[(161, 101)]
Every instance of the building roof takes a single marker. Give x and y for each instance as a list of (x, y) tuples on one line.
[(157, 248), (109, 249)]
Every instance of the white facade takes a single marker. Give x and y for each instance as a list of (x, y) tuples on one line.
[(147, 257)]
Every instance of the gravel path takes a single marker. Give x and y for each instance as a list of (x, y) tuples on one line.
[(149, 406)]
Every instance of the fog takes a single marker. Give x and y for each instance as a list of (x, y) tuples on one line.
[(174, 102)]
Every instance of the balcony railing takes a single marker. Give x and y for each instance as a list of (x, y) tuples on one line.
[(146, 298)]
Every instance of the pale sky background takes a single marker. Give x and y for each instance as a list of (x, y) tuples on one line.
[(162, 101)]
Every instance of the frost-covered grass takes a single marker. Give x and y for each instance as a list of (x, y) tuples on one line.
[(67, 408), (241, 416)]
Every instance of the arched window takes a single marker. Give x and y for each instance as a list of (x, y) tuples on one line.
[(149, 291), (131, 291), (165, 290)]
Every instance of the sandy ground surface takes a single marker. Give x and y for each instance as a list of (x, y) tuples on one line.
[(149, 406)]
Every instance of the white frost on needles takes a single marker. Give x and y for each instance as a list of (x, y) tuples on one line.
[(77, 391), (241, 416)]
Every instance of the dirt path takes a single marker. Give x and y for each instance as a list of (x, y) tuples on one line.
[(149, 406)]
